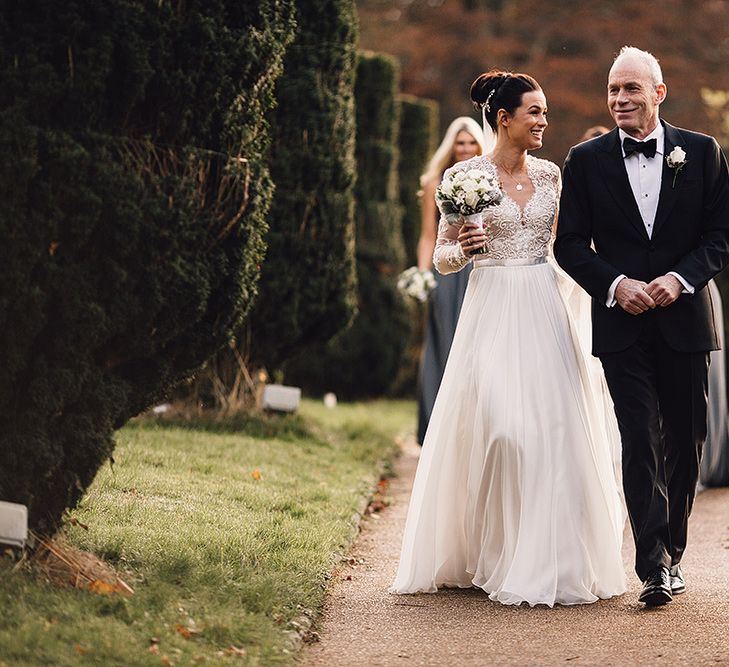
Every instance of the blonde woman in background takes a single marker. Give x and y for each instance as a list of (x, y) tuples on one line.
[(463, 140)]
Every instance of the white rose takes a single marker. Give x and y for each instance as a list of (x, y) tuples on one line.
[(469, 185), (677, 155), (472, 198), (446, 188), (458, 176), (475, 174)]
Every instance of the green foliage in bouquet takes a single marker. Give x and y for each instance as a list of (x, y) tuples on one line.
[(133, 195), (417, 142), (308, 280), (364, 359)]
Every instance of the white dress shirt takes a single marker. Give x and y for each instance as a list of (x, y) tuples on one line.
[(644, 175)]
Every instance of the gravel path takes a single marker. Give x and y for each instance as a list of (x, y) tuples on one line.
[(364, 625)]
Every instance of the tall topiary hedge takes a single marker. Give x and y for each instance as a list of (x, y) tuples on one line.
[(418, 141), (364, 359), (308, 279), (133, 194)]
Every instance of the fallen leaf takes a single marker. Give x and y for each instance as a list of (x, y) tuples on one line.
[(81, 650), (375, 506), (154, 649), (75, 522), (52, 247), (256, 474), (185, 631), (101, 587), (311, 637), (165, 660), (234, 650)]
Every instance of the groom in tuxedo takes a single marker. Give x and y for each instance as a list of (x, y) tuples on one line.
[(643, 226)]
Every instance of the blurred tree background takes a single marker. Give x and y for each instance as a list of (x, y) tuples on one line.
[(442, 45)]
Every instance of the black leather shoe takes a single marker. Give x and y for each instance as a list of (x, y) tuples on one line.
[(678, 584), (656, 588)]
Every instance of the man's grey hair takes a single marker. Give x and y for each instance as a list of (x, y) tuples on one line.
[(648, 59)]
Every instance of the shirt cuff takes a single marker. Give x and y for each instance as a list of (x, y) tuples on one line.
[(610, 301), (688, 288)]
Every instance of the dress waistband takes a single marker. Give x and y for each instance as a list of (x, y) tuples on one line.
[(515, 261)]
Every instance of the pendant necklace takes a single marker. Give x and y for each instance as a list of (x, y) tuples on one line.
[(519, 186)]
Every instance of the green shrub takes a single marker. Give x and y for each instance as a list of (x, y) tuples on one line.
[(133, 196), (418, 141), (364, 359), (308, 279)]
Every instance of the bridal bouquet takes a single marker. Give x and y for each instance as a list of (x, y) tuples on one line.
[(416, 283), (467, 192)]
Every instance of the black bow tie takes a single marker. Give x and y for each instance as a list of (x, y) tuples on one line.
[(630, 146)]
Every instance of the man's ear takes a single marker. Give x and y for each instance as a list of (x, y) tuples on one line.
[(661, 92)]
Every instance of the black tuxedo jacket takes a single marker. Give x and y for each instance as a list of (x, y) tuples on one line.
[(690, 236)]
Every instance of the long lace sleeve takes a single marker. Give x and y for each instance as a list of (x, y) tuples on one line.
[(448, 255)]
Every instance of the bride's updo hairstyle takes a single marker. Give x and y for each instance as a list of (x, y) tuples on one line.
[(496, 90)]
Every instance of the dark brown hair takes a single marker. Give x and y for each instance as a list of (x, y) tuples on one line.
[(501, 90)]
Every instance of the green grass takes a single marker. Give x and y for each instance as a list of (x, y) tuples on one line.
[(203, 543)]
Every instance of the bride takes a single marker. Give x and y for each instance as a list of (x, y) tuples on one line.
[(515, 491)]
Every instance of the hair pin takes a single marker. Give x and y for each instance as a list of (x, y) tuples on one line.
[(487, 103)]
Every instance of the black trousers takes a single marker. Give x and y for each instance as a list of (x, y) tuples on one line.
[(660, 403)]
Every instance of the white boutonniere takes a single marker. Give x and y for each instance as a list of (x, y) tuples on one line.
[(676, 160)]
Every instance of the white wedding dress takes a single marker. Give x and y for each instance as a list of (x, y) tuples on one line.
[(516, 489)]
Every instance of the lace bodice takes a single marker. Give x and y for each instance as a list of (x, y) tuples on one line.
[(512, 233)]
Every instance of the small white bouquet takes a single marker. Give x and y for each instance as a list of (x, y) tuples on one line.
[(466, 194), (416, 283)]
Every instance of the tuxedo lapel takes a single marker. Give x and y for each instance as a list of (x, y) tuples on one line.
[(615, 177), (669, 189)]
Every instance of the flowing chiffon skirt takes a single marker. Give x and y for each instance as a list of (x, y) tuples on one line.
[(515, 490)]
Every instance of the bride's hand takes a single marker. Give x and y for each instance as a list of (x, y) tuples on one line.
[(471, 237)]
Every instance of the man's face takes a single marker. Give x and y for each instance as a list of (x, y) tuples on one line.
[(633, 98)]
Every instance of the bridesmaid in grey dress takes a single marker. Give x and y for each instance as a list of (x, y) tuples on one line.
[(714, 469), (463, 140)]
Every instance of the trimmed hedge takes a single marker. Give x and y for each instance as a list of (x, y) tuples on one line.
[(133, 195), (418, 140), (308, 280), (364, 360)]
